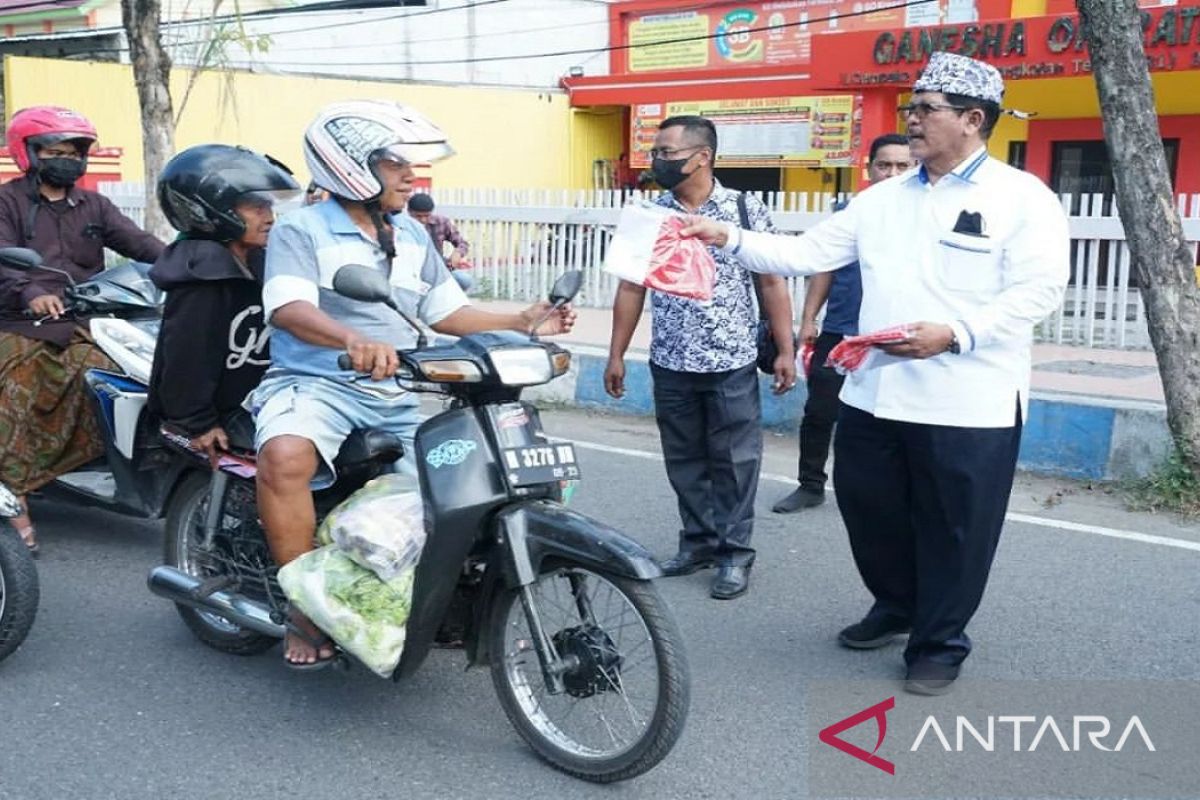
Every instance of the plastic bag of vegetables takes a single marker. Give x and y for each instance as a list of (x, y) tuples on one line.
[(364, 614), (381, 526)]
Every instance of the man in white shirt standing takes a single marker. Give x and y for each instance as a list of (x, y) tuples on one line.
[(969, 253)]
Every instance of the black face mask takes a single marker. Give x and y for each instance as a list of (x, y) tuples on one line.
[(61, 173), (669, 174)]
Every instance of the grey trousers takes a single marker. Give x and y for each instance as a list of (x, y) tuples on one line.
[(710, 425)]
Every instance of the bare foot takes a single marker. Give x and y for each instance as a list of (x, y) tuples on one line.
[(307, 648), (24, 527)]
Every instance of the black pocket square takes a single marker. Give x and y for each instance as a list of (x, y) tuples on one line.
[(969, 223)]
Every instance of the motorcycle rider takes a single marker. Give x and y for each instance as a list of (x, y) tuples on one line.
[(213, 345), (47, 426), (362, 152)]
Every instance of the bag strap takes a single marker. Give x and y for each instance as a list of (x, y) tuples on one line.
[(744, 218)]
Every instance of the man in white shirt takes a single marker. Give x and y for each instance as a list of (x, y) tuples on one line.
[(970, 254)]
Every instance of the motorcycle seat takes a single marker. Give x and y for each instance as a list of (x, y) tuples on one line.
[(239, 427), (368, 444)]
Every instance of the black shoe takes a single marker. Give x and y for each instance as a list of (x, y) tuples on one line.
[(872, 632), (684, 564), (730, 582), (930, 677), (799, 500)]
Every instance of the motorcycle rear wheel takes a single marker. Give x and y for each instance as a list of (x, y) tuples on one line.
[(630, 712), (19, 591), (184, 533)]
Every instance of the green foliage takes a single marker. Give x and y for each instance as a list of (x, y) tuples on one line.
[(483, 289), (1173, 486)]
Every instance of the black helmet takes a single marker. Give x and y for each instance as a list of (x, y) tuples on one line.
[(200, 187)]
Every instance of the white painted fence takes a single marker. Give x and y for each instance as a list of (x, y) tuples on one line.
[(522, 239)]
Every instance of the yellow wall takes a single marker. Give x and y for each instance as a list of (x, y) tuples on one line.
[(802, 179), (504, 138), (595, 133), (1028, 8)]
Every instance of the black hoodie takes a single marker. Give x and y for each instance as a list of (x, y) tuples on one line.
[(212, 350)]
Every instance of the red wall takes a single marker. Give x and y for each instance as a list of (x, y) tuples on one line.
[(1042, 133)]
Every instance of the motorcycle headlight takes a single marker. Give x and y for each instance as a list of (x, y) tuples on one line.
[(130, 344), (9, 505), (523, 366)]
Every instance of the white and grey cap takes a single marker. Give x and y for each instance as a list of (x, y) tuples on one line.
[(950, 73)]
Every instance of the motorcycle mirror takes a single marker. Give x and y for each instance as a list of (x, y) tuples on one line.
[(362, 283), (371, 286), (21, 258), (566, 287)]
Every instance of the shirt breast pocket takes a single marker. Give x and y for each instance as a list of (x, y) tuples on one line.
[(968, 263), (406, 267)]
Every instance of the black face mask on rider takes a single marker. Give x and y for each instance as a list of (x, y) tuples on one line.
[(61, 173), (668, 173)]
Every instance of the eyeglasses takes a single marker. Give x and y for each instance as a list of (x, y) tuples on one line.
[(669, 154), (925, 109), (56, 153)]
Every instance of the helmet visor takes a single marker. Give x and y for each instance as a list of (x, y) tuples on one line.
[(281, 201), (418, 152), (81, 143)]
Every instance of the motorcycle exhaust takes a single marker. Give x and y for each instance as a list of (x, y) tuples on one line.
[(182, 588)]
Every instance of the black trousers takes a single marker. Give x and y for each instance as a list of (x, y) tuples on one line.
[(820, 413), (924, 506), (710, 425)]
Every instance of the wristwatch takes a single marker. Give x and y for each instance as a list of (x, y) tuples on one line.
[(954, 347)]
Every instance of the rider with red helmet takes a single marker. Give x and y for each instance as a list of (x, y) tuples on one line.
[(47, 427)]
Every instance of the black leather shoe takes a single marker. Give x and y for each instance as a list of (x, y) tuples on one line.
[(684, 564), (730, 582), (799, 500), (930, 677), (872, 632)]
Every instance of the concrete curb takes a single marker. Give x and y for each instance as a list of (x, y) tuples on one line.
[(1070, 436)]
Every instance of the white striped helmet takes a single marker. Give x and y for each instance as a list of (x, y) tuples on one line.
[(344, 142)]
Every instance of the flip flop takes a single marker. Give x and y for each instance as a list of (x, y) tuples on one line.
[(318, 644)]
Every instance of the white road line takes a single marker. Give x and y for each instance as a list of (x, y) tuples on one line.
[(1115, 533), (1027, 519)]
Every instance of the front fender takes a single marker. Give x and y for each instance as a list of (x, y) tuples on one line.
[(541, 529)]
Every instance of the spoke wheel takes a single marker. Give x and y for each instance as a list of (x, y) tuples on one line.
[(184, 536), (625, 696)]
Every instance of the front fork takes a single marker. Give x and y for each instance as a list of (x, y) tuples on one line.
[(554, 666)]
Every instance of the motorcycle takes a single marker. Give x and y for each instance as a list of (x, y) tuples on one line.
[(137, 473), (18, 580), (584, 654)]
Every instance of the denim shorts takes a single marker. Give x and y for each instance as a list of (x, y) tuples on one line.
[(325, 411)]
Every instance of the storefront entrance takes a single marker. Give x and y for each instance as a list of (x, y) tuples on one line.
[(1082, 168)]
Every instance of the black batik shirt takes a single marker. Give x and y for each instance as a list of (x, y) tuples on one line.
[(717, 335)]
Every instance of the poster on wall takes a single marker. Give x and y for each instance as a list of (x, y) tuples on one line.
[(762, 132), (736, 40)]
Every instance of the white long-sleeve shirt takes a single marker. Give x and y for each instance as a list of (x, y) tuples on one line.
[(991, 288)]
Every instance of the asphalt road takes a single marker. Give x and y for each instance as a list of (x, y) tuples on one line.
[(111, 697)]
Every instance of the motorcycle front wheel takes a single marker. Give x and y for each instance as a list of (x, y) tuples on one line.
[(184, 537), (18, 590), (626, 687)]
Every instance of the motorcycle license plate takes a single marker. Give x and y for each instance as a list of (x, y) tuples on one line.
[(530, 465)]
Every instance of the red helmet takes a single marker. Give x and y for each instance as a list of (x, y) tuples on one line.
[(41, 126)]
